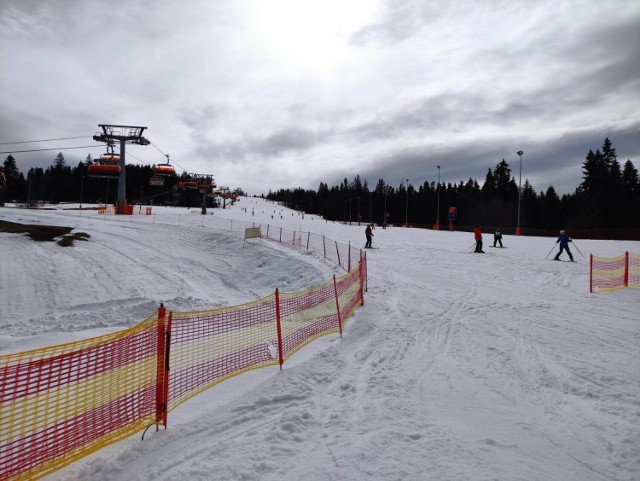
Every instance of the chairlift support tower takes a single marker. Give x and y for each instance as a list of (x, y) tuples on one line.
[(123, 134)]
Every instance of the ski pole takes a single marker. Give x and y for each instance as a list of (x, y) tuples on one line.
[(472, 246), (554, 246), (574, 245)]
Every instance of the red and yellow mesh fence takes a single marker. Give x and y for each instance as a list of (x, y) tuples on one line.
[(208, 347), (609, 273), (60, 403)]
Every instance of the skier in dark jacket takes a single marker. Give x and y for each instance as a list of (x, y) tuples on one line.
[(369, 234), (497, 238), (564, 240)]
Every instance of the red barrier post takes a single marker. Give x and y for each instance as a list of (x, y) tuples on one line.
[(279, 328), (161, 405), (335, 288), (361, 278), (626, 269), (165, 389)]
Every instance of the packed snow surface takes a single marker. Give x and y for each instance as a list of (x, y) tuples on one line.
[(459, 366)]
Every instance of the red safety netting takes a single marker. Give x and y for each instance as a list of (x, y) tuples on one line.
[(634, 271), (609, 273), (209, 346), (60, 403), (307, 315)]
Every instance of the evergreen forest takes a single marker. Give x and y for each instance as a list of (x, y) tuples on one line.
[(608, 196)]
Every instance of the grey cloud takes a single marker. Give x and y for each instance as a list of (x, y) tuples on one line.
[(462, 161)]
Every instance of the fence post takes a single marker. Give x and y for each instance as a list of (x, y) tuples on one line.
[(349, 254), (335, 288), (308, 237), (363, 261), (324, 247), (591, 273), (166, 370), (279, 328), (338, 253), (267, 231), (280, 235), (161, 345), (626, 269)]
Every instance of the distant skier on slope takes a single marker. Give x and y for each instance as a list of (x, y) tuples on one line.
[(497, 237), (564, 240), (369, 234), (477, 233)]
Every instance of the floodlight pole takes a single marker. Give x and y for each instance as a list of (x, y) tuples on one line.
[(438, 211), (406, 220), (519, 152), (81, 189)]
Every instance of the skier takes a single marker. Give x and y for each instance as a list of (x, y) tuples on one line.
[(564, 240), (497, 237), (385, 220), (477, 232), (369, 234)]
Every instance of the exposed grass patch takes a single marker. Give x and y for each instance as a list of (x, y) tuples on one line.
[(69, 239), (44, 233)]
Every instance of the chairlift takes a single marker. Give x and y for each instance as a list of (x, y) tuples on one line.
[(107, 167), (164, 169)]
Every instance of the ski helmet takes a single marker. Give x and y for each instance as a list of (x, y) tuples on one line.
[(562, 232)]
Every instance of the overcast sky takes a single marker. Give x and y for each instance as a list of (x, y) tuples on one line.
[(270, 94)]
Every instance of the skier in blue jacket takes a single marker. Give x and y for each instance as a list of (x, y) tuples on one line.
[(564, 240)]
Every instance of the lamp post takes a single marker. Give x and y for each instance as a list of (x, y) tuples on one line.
[(349, 211), (406, 219), (81, 189), (438, 211), (519, 152), (358, 198), (370, 212)]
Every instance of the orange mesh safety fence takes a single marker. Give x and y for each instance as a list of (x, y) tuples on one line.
[(60, 403), (209, 346), (610, 273)]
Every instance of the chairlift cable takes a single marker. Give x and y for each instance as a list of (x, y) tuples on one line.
[(55, 148), (46, 140)]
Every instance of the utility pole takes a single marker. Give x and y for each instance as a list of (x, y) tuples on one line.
[(438, 211), (406, 219), (124, 134), (519, 152)]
